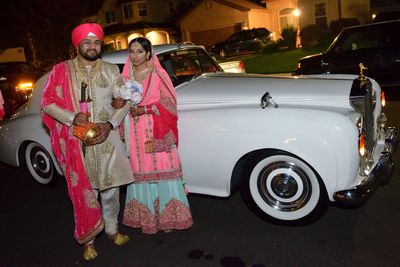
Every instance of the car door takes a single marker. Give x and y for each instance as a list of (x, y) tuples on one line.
[(355, 46)]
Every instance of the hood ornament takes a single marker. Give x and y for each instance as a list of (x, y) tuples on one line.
[(266, 100)]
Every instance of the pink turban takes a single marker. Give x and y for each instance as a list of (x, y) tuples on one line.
[(83, 30)]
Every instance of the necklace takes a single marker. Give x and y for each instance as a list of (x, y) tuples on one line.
[(141, 74)]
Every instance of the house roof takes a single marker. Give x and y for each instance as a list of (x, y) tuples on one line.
[(118, 28), (242, 5)]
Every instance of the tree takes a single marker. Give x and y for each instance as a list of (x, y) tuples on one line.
[(43, 26)]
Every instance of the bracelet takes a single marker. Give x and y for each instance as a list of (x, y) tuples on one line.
[(145, 109)]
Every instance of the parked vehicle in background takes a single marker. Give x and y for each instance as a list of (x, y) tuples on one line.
[(234, 66), (376, 45), (16, 83), (290, 144), (244, 40)]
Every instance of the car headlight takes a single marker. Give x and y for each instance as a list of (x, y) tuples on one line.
[(24, 86)]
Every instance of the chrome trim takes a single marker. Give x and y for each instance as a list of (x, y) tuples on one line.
[(379, 175)]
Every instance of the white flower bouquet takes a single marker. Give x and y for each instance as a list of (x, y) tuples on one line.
[(129, 90)]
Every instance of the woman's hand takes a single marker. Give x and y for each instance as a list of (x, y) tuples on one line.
[(118, 103), (137, 111)]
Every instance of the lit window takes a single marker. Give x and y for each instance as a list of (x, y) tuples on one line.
[(320, 15)]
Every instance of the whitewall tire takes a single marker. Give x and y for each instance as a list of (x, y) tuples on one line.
[(40, 164), (284, 187)]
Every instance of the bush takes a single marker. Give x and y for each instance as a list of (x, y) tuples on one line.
[(271, 47), (288, 41), (313, 35), (337, 25)]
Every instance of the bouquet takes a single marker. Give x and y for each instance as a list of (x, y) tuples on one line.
[(129, 90)]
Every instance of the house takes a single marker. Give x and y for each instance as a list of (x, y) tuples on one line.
[(124, 20), (323, 12), (212, 21)]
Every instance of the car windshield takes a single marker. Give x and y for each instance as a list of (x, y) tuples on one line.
[(184, 64)]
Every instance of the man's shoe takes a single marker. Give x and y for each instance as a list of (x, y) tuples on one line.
[(119, 239), (89, 252)]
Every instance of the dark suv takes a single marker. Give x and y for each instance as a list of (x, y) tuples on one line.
[(245, 40), (375, 45)]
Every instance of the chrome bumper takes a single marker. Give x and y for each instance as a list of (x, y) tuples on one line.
[(380, 174)]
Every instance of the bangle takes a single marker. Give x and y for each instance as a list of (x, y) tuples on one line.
[(145, 109)]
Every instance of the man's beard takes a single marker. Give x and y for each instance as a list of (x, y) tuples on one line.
[(86, 56)]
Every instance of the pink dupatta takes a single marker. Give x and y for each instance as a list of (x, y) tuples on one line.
[(160, 92), (59, 90), (2, 112)]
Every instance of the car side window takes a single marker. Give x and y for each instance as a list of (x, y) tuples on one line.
[(392, 38), (359, 40)]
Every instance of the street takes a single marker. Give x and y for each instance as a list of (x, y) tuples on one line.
[(37, 230)]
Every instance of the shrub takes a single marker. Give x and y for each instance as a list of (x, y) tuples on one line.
[(288, 41), (271, 47), (313, 35), (337, 25)]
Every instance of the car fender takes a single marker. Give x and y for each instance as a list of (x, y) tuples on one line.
[(318, 137)]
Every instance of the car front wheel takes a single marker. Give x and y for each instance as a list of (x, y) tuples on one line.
[(283, 188), (40, 164)]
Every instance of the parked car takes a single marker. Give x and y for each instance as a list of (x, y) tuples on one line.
[(234, 66), (16, 84), (245, 40), (290, 144), (375, 45)]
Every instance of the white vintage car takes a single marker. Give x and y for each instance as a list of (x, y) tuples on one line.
[(291, 144)]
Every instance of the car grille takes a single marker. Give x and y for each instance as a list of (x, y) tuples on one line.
[(363, 100)]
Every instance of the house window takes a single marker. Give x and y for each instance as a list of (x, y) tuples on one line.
[(287, 18), (142, 8), (320, 15), (171, 7), (128, 11), (110, 16)]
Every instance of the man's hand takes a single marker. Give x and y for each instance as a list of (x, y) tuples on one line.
[(118, 103), (81, 119), (104, 129)]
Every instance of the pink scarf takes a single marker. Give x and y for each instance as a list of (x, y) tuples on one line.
[(160, 92), (2, 112), (59, 90)]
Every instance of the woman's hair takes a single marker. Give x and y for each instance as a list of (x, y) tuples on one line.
[(144, 42)]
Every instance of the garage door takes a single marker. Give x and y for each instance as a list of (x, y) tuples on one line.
[(210, 37)]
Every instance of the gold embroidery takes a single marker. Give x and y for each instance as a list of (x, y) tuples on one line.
[(74, 178), (90, 199), (106, 147), (63, 146), (102, 81), (59, 91), (108, 180), (103, 115)]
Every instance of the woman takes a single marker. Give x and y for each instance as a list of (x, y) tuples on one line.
[(157, 199)]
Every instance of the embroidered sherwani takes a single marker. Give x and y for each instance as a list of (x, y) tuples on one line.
[(106, 165)]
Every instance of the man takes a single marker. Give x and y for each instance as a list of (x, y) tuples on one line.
[(78, 92)]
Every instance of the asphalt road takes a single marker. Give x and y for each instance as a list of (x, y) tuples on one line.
[(36, 229)]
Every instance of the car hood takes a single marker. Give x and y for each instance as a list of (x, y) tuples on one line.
[(223, 90)]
